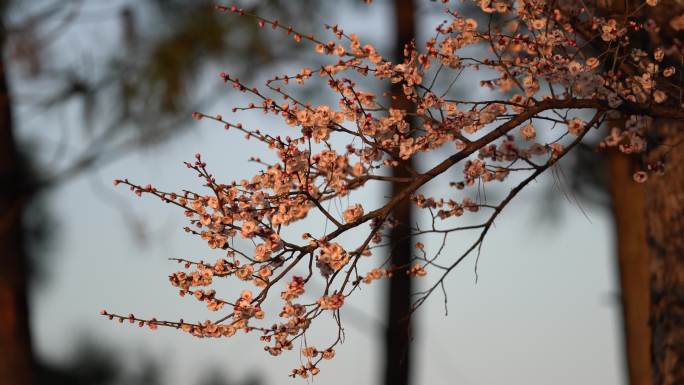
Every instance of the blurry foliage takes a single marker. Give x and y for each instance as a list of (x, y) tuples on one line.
[(589, 176), (580, 180), (92, 364), (143, 90), (140, 92), (215, 377), (37, 225)]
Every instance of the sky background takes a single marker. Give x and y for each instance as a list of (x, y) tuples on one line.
[(544, 309)]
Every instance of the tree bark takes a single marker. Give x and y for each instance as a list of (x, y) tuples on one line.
[(665, 216), (628, 201), (665, 237), (633, 256), (16, 358), (398, 333)]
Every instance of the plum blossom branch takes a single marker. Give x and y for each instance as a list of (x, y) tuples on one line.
[(547, 66)]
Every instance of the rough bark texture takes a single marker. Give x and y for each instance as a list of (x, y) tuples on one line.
[(665, 236), (16, 363), (628, 200), (665, 218), (398, 333)]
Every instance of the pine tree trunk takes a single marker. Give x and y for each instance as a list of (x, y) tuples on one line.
[(633, 255), (398, 333), (665, 218), (16, 363), (628, 200), (665, 237)]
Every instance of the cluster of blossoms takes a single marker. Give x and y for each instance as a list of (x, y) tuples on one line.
[(546, 83)]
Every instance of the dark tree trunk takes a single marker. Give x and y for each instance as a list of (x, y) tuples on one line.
[(665, 217), (16, 359), (665, 237), (398, 333)]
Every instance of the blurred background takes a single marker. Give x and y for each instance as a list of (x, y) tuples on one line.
[(95, 90)]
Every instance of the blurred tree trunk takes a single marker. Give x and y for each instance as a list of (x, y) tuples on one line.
[(665, 237), (628, 200), (398, 333), (16, 359), (629, 205)]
